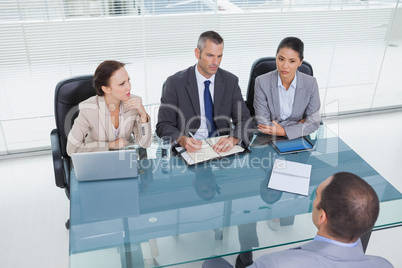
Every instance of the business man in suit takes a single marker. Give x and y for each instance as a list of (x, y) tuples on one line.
[(286, 101), (205, 101), (345, 208)]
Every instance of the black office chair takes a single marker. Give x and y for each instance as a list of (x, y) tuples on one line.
[(262, 66), (68, 94)]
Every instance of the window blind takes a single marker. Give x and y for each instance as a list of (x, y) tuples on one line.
[(43, 42)]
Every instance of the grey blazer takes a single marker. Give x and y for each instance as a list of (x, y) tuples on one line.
[(306, 104), (93, 130), (179, 112), (321, 254)]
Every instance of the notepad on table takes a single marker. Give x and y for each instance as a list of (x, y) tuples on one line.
[(207, 152), (290, 177)]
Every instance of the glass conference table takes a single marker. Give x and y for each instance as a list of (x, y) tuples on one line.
[(174, 214)]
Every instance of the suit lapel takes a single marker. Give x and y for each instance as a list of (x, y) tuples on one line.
[(299, 91), (275, 96), (104, 120), (219, 90), (192, 90)]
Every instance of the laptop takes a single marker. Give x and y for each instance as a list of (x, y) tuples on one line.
[(93, 166)]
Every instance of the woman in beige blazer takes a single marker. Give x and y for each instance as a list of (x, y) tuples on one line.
[(107, 120)]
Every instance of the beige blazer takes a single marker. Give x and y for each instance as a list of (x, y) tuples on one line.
[(93, 130)]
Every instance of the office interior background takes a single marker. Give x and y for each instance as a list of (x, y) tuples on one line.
[(354, 46)]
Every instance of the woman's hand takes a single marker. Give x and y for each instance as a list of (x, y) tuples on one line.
[(275, 129), (135, 102), (117, 144)]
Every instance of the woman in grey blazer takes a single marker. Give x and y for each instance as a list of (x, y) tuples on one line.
[(107, 120), (286, 101)]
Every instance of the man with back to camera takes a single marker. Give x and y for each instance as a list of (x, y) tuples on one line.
[(203, 101), (345, 208)]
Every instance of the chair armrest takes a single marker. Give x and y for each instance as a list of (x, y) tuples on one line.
[(58, 164)]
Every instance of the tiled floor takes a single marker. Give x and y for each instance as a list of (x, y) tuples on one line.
[(33, 209)]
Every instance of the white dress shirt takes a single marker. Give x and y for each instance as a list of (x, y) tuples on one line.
[(286, 97)]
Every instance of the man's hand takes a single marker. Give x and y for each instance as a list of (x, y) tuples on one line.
[(117, 144), (225, 144), (190, 144), (276, 129), (136, 103)]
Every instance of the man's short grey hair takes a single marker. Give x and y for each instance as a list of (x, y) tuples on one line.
[(209, 35)]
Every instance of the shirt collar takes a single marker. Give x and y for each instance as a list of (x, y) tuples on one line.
[(331, 241), (292, 85), (201, 79)]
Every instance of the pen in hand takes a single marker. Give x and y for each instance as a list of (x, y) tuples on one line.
[(192, 146), (192, 136)]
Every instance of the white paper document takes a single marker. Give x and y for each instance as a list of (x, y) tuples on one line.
[(290, 177)]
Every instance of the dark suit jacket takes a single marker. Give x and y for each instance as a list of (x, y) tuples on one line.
[(179, 112)]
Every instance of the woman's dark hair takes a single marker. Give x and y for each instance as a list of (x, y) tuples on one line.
[(351, 205), (103, 73), (293, 43)]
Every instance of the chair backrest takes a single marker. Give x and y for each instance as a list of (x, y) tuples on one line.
[(262, 66), (68, 94)]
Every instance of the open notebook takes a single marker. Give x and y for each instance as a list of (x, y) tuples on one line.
[(206, 152)]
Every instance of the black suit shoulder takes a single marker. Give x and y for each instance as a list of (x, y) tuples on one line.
[(225, 73), (181, 75), (227, 78)]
